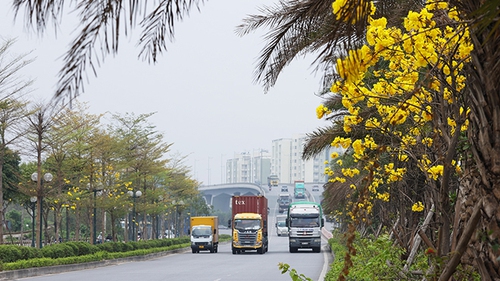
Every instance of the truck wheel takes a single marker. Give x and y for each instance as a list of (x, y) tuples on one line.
[(317, 249), (193, 250), (261, 250), (234, 251), (212, 251), (293, 250)]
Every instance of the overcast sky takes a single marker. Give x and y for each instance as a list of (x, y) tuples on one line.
[(201, 89)]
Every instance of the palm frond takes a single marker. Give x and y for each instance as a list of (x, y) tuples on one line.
[(102, 22), (319, 140)]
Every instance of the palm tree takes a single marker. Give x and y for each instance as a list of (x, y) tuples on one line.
[(481, 188), (298, 27)]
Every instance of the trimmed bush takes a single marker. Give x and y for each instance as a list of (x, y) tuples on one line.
[(82, 248), (10, 253), (58, 251)]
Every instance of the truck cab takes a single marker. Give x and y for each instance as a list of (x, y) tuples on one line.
[(304, 221), (248, 233)]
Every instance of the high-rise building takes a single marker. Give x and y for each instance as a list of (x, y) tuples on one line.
[(249, 167), (287, 162), (281, 155), (284, 160)]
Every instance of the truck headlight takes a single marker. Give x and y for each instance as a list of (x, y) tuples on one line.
[(317, 240), (235, 236), (293, 240)]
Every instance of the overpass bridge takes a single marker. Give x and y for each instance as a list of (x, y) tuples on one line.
[(219, 195)]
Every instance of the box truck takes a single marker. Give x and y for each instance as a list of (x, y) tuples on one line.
[(204, 234), (249, 224)]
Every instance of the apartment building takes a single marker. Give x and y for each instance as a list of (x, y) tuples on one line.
[(284, 160), (251, 167), (287, 162)]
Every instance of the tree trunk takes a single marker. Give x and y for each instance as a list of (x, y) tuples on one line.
[(2, 213), (77, 225), (484, 136)]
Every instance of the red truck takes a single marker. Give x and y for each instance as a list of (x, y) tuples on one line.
[(249, 224)]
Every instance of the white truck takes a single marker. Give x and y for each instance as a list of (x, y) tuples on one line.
[(204, 234), (304, 221)]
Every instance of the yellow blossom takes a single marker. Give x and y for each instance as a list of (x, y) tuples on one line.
[(321, 111), (435, 171), (417, 207), (427, 141), (383, 196)]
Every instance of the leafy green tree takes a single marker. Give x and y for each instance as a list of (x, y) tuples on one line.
[(69, 154), (108, 180), (143, 157), (14, 218)]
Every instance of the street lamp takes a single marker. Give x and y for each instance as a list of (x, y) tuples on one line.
[(178, 216), (33, 205), (47, 177), (134, 195)]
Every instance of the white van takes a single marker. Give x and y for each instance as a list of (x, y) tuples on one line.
[(281, 228)]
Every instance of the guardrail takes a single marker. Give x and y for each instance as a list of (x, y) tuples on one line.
[(327, 234)]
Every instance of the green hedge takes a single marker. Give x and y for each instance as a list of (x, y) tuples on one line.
[(14, 257), (98, 256), (13, 253)]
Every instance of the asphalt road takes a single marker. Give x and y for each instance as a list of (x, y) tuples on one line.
[(219, 266)]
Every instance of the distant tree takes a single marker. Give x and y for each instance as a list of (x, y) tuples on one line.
[(12, 108)]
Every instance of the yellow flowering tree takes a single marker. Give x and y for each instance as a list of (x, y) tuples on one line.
[(410, 80)]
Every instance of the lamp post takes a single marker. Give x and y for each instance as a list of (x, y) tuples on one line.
[(95, 215), (134, 195), (47, 177), (33, 205), (178, 216)]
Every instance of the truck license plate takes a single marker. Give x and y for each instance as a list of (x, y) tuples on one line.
[(201, 247)]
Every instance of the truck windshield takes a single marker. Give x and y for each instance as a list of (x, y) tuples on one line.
[(304, 222), (201, 231), (281, 224), (247, 224)]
